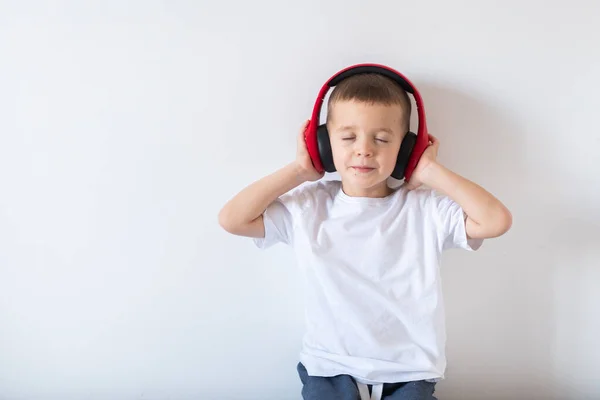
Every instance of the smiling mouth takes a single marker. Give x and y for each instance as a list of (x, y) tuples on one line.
[(363, 169)]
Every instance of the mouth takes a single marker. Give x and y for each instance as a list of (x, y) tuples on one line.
[(362, 169)]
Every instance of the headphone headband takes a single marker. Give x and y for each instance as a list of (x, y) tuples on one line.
[(422, 135)]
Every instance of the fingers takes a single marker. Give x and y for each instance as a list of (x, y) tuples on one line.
[(434, 142), (301, 138), (305, 125), (303, 128), (302, 131)]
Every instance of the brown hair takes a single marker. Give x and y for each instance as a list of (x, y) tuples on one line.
[(374, 89)]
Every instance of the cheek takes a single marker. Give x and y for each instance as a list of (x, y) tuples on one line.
[(389, 157), (339, 152)]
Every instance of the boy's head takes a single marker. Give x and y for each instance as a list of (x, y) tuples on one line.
[(368, 115)]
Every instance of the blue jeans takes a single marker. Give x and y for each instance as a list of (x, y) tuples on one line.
[(344, 387)]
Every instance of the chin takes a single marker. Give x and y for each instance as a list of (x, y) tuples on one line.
[(364, 182)]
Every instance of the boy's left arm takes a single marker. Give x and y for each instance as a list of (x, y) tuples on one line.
[(487, 217)]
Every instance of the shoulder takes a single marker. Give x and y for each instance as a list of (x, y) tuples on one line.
[(421, 198), (428, 203), (445, 216), (322, 190), (311, 195)]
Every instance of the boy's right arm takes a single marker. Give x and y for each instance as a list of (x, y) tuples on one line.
[(243, 214)]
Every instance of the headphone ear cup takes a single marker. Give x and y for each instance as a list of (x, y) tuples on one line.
[(324, 145), (406, 148)]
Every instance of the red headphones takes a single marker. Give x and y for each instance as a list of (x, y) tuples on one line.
[(412, 147)]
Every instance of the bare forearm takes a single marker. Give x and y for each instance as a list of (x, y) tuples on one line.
[(250, 203), (487, 216)]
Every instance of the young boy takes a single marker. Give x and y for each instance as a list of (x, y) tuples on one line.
[(370, 253)]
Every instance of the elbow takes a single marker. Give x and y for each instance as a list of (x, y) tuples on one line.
[(505, 221), (234, 224), (497, 223), (502, 221), (225, 220)]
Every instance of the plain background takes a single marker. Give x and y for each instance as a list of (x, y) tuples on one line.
[(126, 125)]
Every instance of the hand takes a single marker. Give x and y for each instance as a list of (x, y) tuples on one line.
[(305, 166), (428, 158)]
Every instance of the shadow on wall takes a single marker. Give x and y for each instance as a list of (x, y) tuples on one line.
[(503, 302)]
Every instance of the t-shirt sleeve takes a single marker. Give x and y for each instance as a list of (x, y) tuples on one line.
[(451, 219), (279, 220)]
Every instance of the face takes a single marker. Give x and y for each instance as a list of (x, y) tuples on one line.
[(365, 140)]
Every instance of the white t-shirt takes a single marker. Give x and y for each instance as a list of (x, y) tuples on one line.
[(374, 307)]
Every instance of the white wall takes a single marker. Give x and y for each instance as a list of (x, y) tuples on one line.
[(125, 126)]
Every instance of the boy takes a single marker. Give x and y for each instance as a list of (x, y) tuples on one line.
[(370, 253)]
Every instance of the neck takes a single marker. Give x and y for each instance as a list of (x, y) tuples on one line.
[(380, 190)]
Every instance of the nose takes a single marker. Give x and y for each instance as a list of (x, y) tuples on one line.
[(364, 148)]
